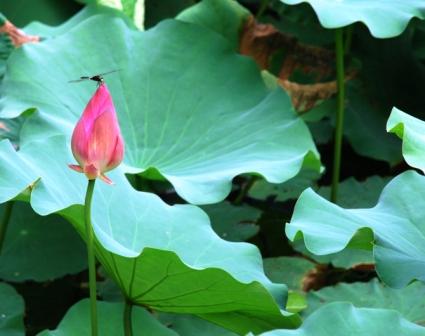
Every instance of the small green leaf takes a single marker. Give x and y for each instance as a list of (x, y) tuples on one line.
[(233, 223), (39, 248), (285, 191), (288, 270), (77, 321), (11, 312), (296, 302), (392, 19), (411, 131)]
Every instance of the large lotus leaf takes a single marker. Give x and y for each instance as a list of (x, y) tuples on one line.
[(197, 262), (193, 138), (11, 312), (394, 228), (342, 318), (373, 295), (411, 130), (39, 248), (77, 321), (383, 18)]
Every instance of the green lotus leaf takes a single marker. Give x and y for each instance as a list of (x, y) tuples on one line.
[(288, 270), (46, 31), (11, 312), (173, 259), (192, 325), (77, 321), (224, 17), (383, 18), (233, 223), (134, 9), (342, 318), (410, 130), (286, 191), (393, 228), (191, 137), (373, 294), (39, 248)]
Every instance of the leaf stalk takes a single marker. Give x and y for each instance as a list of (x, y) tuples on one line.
[(128, 310), (5, 222), (339, 48)]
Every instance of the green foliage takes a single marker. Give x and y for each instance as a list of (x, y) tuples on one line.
[(11, 312), (233, 223), (392, 19), (393, 228), (39, 248), (410, 130), (77, 321), (288, 270), (342, 318), (134, 9), (195, 115), (373, 294), (193, 140)]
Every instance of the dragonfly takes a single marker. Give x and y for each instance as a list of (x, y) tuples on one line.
[(97, 78)]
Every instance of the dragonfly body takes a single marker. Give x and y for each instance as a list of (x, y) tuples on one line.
[(96, 78)]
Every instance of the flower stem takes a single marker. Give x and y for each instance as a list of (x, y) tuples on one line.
[(339, 48), (91, 257), (128, 309), (5, 222)]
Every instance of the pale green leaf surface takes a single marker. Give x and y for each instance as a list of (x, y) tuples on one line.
[(383, 18), (342, 318), (39, 248), (412, 131), (11, 312), (191, 137), (394, 228), (141, 222), (373, 294), (77, 321), (352, 194)]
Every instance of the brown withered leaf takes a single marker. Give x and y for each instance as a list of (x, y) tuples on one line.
[(262, 41), (17, 36)]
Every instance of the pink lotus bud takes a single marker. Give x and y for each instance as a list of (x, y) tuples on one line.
[(96, 142)]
